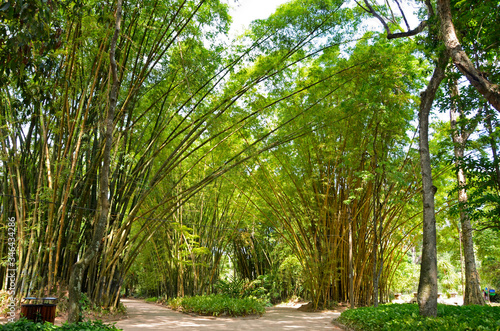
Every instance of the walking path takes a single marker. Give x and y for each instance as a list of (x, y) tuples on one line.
[(145, 316)]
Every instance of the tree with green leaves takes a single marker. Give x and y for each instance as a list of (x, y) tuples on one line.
[(440, 24)]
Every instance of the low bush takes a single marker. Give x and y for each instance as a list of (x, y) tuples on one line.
[(243, 288), (175, 303), (406, 317), (217, 305), (26, 325)]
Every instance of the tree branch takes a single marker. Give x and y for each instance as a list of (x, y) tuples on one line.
[(377, 16), (403, 14), (462, 61), (391, 35), (410, 33)]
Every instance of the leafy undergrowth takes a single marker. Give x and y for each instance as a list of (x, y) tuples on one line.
[(218, 305), (26, 325), (406, 317)]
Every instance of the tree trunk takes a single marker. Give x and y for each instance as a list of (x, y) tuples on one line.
[(473, 294), (493, 144), (490, 91), (75, 281), (462, 272), (351, 267), (427, 287)]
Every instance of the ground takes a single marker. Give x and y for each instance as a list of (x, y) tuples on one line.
[(149, 316), (146, 316)]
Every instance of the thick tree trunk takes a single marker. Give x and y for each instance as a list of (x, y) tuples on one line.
[(427, 287), (462, 271), (490, 91), (473, 294), (75, 281)]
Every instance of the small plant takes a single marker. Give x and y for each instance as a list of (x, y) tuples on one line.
[(85, 306), (175, 303), (152, 299), (26, 325), (231, 287), (256, 289)]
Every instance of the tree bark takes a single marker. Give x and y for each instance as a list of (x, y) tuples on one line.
[(351, 266), (490, 91), (427, 287), (376, 221), (473, 294), (493, 144), (75, 281)]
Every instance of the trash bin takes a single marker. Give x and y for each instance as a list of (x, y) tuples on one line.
[(31, 309), (48, 310)]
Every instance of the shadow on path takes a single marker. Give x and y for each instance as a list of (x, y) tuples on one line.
[(148, 316)]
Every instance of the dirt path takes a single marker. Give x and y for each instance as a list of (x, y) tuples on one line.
[(147, 316)]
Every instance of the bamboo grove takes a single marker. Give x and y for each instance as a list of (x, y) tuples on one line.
[(274, 154), (177, 106)]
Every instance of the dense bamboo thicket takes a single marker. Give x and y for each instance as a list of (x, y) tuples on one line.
[(342, 196), (339, 199), (177, 104), (53, 138)]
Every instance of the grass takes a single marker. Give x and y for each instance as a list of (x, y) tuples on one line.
[(218, 304), (406, 317), (26, 325)]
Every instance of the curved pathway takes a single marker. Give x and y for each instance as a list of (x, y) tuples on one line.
[(149, 316)]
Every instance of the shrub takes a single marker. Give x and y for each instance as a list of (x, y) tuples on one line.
[(26, 325), (218, 304), (406, 317), (231, 287), (243, 288), (175, 303)]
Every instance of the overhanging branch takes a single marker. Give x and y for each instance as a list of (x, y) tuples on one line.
[(390, 35)]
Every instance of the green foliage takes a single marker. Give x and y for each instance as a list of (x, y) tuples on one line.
[(488, 252), (406, 278), (29, 33), (152, 299), (448, 275), (259, 288), (85, 303), (27, 325), (175, 303), (407, 317), (483, 187), (218, 304), (231, 287), (290, 276)]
